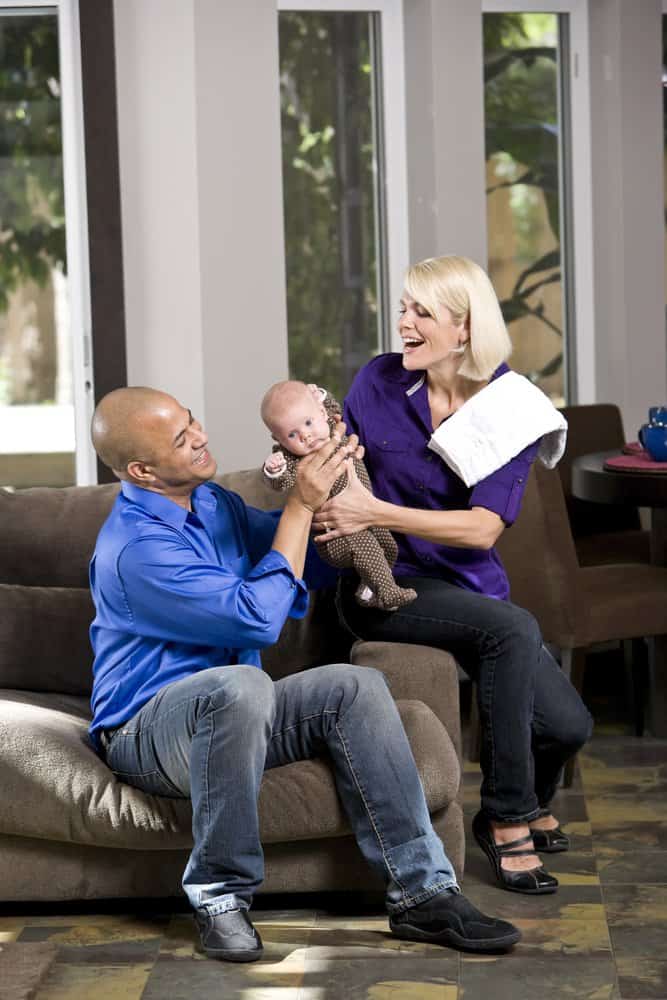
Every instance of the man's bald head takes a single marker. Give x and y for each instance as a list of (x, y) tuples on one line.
[(280, 397), (123, 424)]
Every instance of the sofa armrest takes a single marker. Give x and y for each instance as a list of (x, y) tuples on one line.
[(418, 673)]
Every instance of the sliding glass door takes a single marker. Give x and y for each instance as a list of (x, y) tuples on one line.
[(45, 363)]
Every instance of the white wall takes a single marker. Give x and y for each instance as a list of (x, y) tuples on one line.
[(628, 200), (200, 169)]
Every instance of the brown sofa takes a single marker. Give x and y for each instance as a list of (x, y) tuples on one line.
[(69, 829)]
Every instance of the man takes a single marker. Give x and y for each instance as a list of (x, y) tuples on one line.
[(189, 584)]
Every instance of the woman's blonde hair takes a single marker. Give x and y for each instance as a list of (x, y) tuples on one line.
[(465, 289)]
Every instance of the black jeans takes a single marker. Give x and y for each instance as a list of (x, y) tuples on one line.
[(532, 718)]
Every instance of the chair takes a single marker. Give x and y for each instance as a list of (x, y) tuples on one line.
[(576, 605), (603, 533)]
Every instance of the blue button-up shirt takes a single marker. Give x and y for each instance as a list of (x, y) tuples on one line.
[(388, 408), (178, 591)]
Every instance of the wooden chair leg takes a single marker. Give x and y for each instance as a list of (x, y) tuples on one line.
[(576, 662), (475, 735)]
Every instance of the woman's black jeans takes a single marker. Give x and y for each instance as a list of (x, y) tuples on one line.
[(532, 718)]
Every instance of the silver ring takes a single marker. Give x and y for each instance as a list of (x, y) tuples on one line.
[(326, 526)]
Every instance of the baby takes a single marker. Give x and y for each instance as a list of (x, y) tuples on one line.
[(301, 419)]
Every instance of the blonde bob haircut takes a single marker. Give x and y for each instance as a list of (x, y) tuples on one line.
[(463, 287)]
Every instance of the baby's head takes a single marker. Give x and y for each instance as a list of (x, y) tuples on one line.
[(296, 417)]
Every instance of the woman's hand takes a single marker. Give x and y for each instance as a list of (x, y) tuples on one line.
[(354, 509)]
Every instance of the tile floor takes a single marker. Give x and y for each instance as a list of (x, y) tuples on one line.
[(603, 936)]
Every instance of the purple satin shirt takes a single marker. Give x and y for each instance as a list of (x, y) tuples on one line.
[(387, 407)]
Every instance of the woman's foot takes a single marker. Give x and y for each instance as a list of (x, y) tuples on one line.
[(510, 849), (547, 834), (508, 833)]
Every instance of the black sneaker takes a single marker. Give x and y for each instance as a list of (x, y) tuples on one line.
[(451, 919), (229, 935)]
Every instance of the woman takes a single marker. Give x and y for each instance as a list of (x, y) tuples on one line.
[(455, 344)]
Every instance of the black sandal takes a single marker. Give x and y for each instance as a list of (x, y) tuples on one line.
[(533, 882), (550, 841)]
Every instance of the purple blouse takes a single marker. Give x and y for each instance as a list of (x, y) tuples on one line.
[(387, 407)]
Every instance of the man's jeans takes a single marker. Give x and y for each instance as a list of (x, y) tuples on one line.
[(212, 735), (533, 720)]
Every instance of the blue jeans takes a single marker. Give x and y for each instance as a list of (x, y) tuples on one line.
[(532, 718), (211, 736)]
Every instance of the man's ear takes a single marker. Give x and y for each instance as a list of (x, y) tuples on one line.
[(140, 472)]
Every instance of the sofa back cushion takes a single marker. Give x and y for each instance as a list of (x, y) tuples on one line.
[(47, 539), (48, 535)]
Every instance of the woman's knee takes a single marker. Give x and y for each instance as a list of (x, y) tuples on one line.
[(525, 627), (577, 729)]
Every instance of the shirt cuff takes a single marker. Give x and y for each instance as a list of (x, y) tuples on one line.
[(504, 499), (275, 562)]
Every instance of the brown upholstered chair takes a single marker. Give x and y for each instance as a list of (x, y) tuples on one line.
[(576, 605), (603, 533)]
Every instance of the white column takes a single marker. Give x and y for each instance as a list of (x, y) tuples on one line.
[(445, 128), (240, 206), (155, 52)]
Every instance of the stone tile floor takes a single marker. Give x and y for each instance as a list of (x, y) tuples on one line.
[(603, 936)]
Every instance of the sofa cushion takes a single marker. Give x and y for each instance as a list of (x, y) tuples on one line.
[(44, 642), (55, 787), (48, 535)]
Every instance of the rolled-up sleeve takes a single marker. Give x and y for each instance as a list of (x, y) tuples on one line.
[(502, 491), (259, 531), (172, 595)]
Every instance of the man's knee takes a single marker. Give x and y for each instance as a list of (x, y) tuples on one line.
[(358, 682), (247, 692)]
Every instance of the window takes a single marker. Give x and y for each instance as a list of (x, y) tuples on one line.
[(42, 374), (539, 222), (344, 250)]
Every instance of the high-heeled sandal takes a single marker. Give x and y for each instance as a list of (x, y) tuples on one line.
[(533, 882), (550, 841)]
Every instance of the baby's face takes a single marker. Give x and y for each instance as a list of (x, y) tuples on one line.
[(302, 427)]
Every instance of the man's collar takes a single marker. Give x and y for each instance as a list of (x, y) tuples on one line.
[(165, 509)]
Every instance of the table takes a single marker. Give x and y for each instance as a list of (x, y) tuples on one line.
[(591, 481)]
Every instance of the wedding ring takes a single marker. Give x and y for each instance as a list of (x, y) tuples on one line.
[(326, 527)]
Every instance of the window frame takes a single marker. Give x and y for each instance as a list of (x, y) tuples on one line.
[(76, 221), (393, 137), (581, 376)]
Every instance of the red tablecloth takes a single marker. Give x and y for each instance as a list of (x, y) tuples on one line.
[(634, 459)]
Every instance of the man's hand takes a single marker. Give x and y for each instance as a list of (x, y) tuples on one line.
[(318, 471)]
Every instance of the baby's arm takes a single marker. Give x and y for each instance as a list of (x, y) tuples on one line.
[(285, 477)]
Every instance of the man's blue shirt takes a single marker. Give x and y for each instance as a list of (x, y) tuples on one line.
[(176, 592)]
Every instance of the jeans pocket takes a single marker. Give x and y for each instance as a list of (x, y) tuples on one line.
[(125, 762)]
